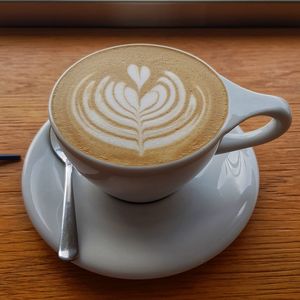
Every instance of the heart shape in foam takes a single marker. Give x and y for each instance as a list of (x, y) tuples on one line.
[(138, 75)]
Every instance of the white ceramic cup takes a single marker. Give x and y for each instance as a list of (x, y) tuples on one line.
[(148, 183)]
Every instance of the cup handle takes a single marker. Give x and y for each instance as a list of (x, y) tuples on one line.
[(244, 104)]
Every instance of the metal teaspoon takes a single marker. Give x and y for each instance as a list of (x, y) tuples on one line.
[(68, 243)]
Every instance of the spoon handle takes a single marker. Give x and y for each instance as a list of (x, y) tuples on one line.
[(68, 244)]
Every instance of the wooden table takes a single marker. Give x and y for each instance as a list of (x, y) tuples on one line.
[(263, 263)]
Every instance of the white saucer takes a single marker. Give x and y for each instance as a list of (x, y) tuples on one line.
[(140, 241)]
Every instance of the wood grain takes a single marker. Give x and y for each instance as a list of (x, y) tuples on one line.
[(263, 263)]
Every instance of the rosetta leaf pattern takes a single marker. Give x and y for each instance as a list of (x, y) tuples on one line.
[(129, 117)]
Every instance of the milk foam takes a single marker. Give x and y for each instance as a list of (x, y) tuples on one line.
[(127, 117), (139, 105)]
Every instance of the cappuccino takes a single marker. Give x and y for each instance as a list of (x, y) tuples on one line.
[(139, 105)]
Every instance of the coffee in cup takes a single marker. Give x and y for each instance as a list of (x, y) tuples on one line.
[(139, 105)]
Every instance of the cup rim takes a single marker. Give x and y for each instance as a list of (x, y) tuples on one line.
[(174, 163)]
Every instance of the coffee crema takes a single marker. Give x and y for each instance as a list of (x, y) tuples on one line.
[(139, 105)]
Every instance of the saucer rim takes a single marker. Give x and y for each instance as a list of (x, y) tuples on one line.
[(36, 223)]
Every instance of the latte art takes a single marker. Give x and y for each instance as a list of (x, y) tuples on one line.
[(124, 116), (138, 105)]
